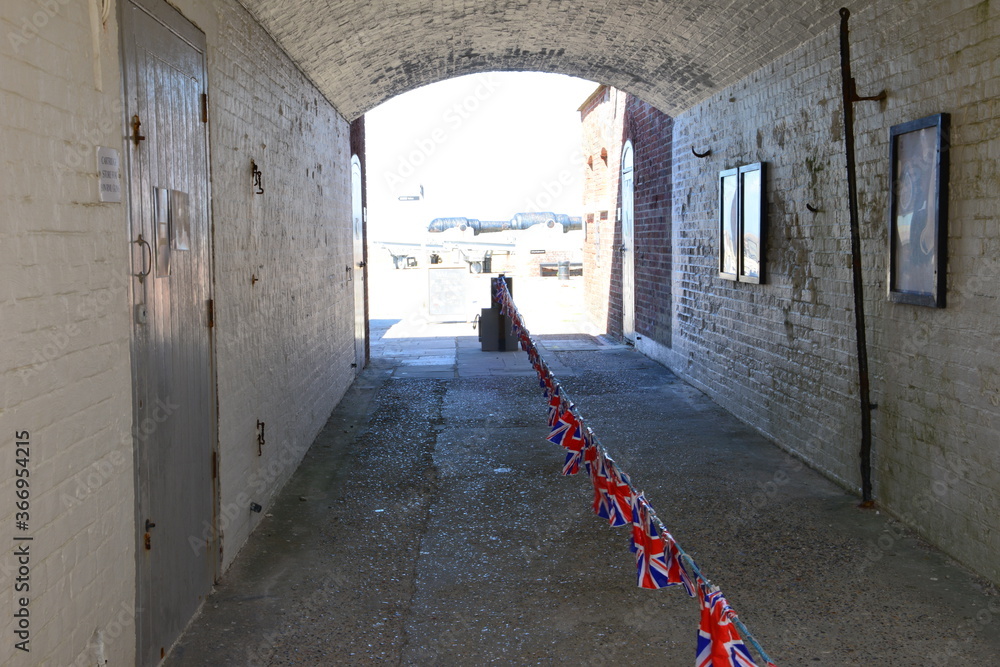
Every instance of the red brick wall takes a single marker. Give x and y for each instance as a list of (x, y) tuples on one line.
[(602, 116), (610, 117), (651, 133)]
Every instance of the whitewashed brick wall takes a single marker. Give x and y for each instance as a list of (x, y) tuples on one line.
[(284, 346), (64, 359), (781, 356)]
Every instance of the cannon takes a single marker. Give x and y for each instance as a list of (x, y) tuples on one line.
[(519, 222)]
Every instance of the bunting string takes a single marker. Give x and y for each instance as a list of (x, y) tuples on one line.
[(660, 560)]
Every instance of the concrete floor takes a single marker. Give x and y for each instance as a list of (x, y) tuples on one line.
[(429, 525)]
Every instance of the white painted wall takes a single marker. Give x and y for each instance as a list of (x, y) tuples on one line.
[(283, 346), (64, 361)]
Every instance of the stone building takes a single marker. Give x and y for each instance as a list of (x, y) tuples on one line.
[(182, 247)]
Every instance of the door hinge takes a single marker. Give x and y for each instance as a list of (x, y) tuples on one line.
[(211, 313), (204, 107)]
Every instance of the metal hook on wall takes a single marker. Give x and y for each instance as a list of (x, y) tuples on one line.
[(812, 208), (701, 155), (258, 177)]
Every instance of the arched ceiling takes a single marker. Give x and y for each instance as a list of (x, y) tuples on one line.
[(671, 53)]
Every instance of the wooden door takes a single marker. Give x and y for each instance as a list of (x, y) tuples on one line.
[(174, 403)]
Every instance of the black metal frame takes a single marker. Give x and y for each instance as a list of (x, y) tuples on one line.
[(741, 204), (938, 203)]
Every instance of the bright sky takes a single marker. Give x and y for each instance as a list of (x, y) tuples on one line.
[(483, 146)]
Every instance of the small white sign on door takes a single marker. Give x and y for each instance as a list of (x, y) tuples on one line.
[(109, 182)]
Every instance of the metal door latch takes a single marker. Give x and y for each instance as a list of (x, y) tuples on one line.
[(136, 137), (147, 538)]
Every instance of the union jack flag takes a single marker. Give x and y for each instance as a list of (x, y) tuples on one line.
[(590, 452), (654, 567), (676, 572), (719, 644), (571, 465), (619, 495), (555, 402), (574, 442), (543, 377), (599, 476), (566, 423)]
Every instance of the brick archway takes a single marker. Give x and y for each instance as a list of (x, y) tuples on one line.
[(672, 53)]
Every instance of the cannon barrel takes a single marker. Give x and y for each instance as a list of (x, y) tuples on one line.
[(519, 222)]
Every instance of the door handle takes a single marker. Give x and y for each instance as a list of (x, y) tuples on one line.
[(148, 266), (136, 137), (147, 538)]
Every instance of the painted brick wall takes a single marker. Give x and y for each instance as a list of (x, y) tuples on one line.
[(64, 359), (781, 355), (283, 345)]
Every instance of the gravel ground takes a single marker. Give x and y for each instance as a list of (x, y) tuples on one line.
[(429, 525)]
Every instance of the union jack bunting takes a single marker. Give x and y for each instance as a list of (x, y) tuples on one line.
[(619, 495), (571, 438), (599, 476), (638, 522), (571, 465), (555, 403), (719, 644), (654, 568), (565, 424), (676, 572), (590, 451), (543, 377)]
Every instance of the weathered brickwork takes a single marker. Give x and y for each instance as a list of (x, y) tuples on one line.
[(782, 355), (609, 118), (651, 134), (671, 53), (779, 355), (64, 359), (602, 116), (283, 345)]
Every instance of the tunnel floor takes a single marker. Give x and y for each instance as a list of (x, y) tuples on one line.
[(429, 524)]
